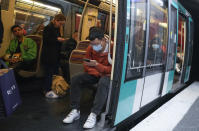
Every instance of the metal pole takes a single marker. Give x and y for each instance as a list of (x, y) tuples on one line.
[(81, 21)]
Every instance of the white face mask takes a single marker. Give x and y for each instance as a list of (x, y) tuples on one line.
[(97, 47), (155, 46)]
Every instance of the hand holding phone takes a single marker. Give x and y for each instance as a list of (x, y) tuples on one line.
[(87, 60)]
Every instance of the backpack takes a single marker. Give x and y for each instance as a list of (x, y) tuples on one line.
[(59, 85)]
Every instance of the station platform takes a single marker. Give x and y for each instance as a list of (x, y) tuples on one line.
[(181, 113)]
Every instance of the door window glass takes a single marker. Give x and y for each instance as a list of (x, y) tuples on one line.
[(173, 39), (158, 35), (136, 49)]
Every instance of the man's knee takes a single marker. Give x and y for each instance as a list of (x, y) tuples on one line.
[(77, 78), (104, 82)]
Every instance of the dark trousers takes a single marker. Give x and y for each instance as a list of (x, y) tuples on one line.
[(50, 70), (24, 65), (81, 81)]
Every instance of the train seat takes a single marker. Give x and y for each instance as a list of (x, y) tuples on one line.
[(75, 61), (34, 71)]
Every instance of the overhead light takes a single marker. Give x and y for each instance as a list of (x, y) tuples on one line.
[(26, 13), (160, 2)]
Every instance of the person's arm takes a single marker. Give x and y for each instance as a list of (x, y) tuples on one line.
[(88, 56), (94, 66), (103, 69)]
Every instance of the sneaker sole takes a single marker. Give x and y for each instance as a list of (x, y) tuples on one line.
[(72, 121)]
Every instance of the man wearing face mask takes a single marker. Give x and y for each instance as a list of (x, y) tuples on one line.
[(97, 71)]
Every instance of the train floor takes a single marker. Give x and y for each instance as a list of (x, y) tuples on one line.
[(181, 113), (38, 113)]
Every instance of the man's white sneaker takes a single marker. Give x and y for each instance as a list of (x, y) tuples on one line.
[(73, 115), (51, 94), (91, 121)]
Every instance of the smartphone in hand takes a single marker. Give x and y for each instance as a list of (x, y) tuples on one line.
[(87, 60)]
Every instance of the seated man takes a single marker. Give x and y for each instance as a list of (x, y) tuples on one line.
[(22, 52), (97, 70)]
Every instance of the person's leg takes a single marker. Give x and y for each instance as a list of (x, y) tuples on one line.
[(48, 78), (27, 65), (100, 100), (49, 71), (77, 83), (101, 95)]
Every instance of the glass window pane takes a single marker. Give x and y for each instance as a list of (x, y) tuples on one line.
[(173, 35), (33, 15), (158, 35), (4, 4), (137, 39), (182, 33)]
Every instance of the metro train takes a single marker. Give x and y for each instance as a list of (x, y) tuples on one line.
[(153, 45)]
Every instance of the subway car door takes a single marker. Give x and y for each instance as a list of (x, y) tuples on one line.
[(157, 50), (129, 73), (181, 48), (141, 75), (188, 52), (172, 48)]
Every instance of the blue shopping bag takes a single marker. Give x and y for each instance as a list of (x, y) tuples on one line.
[(9, 90)]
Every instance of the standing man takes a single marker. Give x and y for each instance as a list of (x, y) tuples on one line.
[(51, 52), (97, 71)]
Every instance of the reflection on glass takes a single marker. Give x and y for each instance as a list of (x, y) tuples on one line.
[(137, 39), (181, 42), (157, 35), (173, 35), (33, 16)]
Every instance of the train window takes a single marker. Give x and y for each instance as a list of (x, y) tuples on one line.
[(101, 20), (173, 40), (158, 35), (136, 49), (4, 4), (34, 15), (181, 43), (108, 1)]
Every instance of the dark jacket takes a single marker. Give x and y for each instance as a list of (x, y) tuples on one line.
[(51, 46), (67, 48)]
